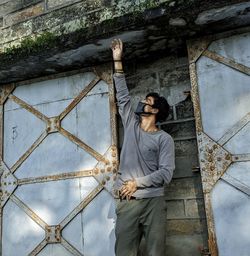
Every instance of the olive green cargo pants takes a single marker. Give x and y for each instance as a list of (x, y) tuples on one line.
[(137, 218)]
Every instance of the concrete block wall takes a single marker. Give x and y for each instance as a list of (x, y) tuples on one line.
[(186, 221)]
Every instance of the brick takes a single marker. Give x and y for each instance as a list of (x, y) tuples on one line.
[(10, 6), (184, 165), (24, 14), (185, 226), (185, 245), (185, 188), (195, 208), (175, 209)]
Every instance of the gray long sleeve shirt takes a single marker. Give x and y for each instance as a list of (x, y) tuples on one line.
[(147, 157)]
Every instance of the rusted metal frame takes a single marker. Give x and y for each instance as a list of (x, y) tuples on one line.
[(28, 211), (1, 230), (84, 146), (82, 205), (70, 247), (195, 97), (198, 122), (196, 48), (113, 113), (226, 61), (62, 176), (212, 243), (234, 129), (236, 183), (38, 248), (28, 152), (241, 158), (79, 97), (29, 108)]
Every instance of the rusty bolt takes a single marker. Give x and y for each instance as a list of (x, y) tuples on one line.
[(107, 178), (210, 159), (103, 182), (212, 168), (218, 158), (109, 169), (102, 170), (215, 146), (203, 169), (96, 171), (228, 157), (113, 154)]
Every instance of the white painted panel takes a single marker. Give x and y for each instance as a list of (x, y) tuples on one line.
[(20, 233), (53, 201), (224, 96), (231, 210), (92, 122), (54, 250), (240, 143), (98, 226), (73, 233), (21, 130), (235, 47), (53, 90), (56, 154), (240, 171)]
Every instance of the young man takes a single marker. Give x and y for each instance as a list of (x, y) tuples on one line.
[(146, 164)]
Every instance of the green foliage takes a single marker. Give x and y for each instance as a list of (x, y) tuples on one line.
[(32, 45)]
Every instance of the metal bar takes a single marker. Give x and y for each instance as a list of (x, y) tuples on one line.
[(234, 130), (79, 97), (28, 152), (236, 183), (1, 132), (1, 231), (226, 61), (82, 205), (113, 113), (62, 176), (29, 108), (183, 120), (212, 244), (38, 248), (70, 247), (84, 146), (195, 96), (185, 138), (241, 158), (28, 211)]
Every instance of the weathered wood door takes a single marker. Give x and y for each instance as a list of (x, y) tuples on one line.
[(219, 70), (58, 162)]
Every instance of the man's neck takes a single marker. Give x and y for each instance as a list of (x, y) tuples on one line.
[(147, 124)]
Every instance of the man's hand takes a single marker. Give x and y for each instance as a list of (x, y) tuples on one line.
[(117, 49), (128, 189)]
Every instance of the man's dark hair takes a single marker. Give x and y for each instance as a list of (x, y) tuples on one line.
[(161, 104)]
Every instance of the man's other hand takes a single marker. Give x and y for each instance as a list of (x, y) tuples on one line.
[(128, 189), (117, 49)]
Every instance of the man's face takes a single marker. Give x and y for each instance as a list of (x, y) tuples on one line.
[(150, 101)]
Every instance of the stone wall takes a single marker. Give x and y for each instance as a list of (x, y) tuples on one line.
[(186, 222)]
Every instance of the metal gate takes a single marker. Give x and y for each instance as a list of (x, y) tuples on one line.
[(219, 71), (58, 162)]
